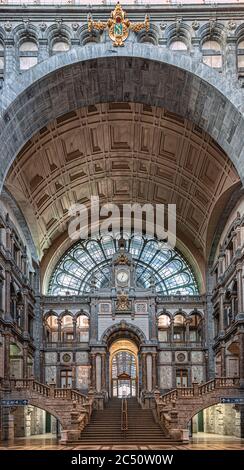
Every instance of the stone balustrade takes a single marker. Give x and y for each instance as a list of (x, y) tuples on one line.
[(176, 407), (72, 409)]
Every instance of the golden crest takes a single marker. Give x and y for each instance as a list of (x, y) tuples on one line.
[(118, 25), (122, 259), (123, 302)]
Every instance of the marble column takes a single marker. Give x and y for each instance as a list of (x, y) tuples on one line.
[(149, 372), (7, 338), (154, 371), (144, 371), (188, 321), (171, 338), (241, 359), (25, 362), (59, 329), (223, 362), (239, 288), (98, 373), (104, 371), (74, 330), (93, 370), (7, 293), (221, 311)]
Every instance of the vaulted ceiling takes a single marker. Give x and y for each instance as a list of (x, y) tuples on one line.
[(123, 152)]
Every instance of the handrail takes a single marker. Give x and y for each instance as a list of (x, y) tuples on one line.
[(124, 415), (207, 387)]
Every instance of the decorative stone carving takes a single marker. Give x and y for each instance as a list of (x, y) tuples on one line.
[(123, 303), (7, 26)]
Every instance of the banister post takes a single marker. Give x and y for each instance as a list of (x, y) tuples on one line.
[(195, 388)]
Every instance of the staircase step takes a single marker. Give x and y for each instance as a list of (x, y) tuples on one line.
[(104, 427)]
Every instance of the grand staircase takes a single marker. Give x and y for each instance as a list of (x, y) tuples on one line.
[(105, 426)]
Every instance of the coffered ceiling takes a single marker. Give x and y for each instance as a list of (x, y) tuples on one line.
[(123, 152)]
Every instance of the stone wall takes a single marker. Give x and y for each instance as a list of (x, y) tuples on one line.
[(222, 420)]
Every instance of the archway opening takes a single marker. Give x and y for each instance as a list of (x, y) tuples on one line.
[(123, 369), (219, 421), (33, 422)]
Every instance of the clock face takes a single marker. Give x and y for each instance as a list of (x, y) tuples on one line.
[(122, 277)]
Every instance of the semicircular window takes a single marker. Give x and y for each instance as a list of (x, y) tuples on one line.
[(89, 262)]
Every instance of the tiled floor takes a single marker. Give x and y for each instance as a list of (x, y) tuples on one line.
[(200, 442)]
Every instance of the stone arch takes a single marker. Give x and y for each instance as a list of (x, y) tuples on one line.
[(212, 31), (82, 312), (46, 407), (196, 312), (124, 329), (66, 313), (87, 37), (138, 72), (50, 313), (58, 33), (22, 33), (151, 36), (180, 312), (179, 32), (164, 312), (197, 408)]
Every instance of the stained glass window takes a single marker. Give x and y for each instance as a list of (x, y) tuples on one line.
[(89, 261)]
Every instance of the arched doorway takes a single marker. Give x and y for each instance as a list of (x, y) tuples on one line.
[(123, 369)]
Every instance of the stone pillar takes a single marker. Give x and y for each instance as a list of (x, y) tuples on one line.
[(171, 337), (241, 359), (221, 311), (25, 361), (26, 319), (10, 58), (154, 371), (223, 362), (7, 337), (98, 373), (1, 290), (37, 327), (188, 321), (230, 62), (93, 370), (239, 288), (149, 372), (144, 371), (43, 51), (74, 330), (10, 427), (209, 325), (7, 293), (59, 329), (153, 319), (104, 371)]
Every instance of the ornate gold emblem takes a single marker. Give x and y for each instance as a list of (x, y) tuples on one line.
[(118, 25), (123, 302), (122, 259)]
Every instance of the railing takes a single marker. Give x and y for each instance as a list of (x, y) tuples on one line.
[(199, 390), (124, 415), (220, 382), (30, 384)]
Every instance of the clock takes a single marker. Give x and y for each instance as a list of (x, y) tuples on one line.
[(122, 277)]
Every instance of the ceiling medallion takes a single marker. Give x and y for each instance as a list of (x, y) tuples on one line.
[(118, 25)]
